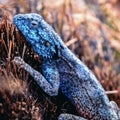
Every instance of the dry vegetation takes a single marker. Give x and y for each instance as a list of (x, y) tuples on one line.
[(87, 27)]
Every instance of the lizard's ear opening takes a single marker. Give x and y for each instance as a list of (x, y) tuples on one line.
[(58, 51), (47, 44)]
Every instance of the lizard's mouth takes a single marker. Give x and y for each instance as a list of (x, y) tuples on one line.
[(25, 50)]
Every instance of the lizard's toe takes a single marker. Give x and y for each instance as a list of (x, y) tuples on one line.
[(19, 61)]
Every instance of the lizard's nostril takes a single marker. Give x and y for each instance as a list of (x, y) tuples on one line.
[(17, 17)]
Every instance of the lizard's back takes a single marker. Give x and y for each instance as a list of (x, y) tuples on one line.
[(82, 88)]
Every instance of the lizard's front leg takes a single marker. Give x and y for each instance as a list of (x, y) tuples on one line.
[(49, 81)]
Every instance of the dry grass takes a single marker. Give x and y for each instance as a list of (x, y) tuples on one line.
[(15, 100)]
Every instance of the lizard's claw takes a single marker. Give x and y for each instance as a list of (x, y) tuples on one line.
[(19, 61)]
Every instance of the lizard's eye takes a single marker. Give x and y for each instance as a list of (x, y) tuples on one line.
[(34, 23), (47, 44)]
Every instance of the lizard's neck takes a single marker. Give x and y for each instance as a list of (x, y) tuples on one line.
[(67, 55)]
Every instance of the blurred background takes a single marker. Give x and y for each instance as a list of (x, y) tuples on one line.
[(90, 28)]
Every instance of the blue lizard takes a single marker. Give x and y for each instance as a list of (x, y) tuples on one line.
[(61, 69)]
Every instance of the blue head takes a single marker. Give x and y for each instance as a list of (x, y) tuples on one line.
[(43, 39)]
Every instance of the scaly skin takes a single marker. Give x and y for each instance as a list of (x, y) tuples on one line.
[(61, 69)]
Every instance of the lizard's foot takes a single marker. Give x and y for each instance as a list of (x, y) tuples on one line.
[(19, 61), (70, 117)]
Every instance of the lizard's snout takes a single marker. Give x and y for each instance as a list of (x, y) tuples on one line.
[(17, 18)]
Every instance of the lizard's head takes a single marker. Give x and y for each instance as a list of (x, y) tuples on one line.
[(43, 39)]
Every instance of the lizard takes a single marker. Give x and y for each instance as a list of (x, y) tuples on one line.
[(61, 69)]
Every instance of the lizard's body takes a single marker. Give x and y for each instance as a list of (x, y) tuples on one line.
[(62, 69)]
